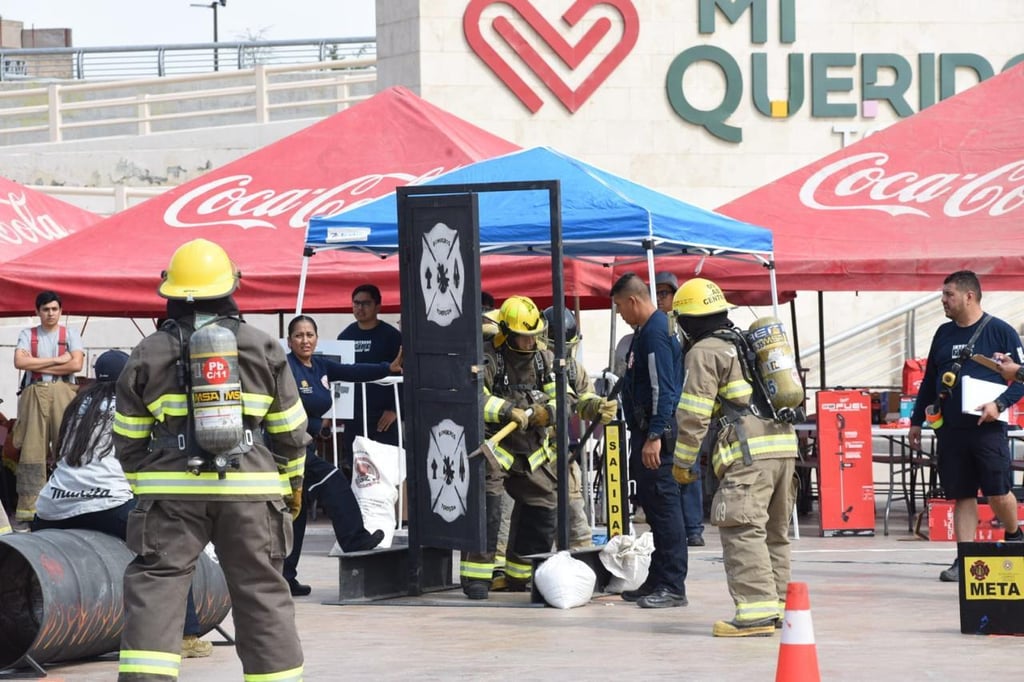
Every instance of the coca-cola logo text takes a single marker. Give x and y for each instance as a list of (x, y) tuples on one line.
[(23, 226), (876, 187), (229, 200)]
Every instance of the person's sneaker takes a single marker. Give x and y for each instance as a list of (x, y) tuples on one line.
[(499, 581), (367, 542), (951, 574), (637, 594), (193, 647), (19, 526), (476, 589), (695, 540), (298, 589), (662, 598), (1015, 537), (757, 628)]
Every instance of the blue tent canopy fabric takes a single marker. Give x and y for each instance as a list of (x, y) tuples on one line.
[(603, 215)]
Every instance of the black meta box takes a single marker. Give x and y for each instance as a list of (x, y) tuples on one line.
[(991, 588)]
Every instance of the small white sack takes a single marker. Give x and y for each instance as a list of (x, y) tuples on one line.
[(377, 471), (565, 582), (628, 559)]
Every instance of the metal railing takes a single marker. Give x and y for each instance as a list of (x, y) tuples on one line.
[(871, 354), (261, 94), (144, 61)]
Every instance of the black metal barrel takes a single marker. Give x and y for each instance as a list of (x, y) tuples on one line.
[(62, 596)]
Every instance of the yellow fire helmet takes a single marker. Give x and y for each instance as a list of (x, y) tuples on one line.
[(199, 270), (699, 297), (518, 315)]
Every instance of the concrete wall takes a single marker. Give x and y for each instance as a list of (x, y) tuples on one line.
[(628, 125)]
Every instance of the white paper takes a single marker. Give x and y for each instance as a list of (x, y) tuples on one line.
[(977, 392)]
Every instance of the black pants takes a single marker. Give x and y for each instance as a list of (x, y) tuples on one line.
[(324, 483), (658, 493)]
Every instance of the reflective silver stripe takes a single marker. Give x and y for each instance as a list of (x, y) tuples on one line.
[(206, 483)]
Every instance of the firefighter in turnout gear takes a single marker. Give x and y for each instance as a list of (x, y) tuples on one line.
[(240, 498), (589, 406), (519, 386), (754, 458)]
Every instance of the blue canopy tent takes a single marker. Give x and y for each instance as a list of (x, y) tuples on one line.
[(604, 217)]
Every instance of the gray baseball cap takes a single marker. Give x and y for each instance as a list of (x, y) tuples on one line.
[(666, 278)]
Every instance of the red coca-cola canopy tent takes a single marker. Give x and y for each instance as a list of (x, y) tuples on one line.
[(257, 208), (30, 220), (940, 191)]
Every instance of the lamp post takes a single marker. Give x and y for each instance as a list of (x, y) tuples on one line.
[(213, 5)]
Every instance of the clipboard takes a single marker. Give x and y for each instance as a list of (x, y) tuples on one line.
[(977, 392), (986, 361)]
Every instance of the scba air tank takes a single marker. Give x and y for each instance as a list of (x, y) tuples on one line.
[(216, 389), (776, 362)]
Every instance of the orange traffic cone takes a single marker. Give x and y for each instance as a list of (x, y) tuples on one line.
[(798, 657)]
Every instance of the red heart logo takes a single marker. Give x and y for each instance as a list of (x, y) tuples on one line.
[(571, 55)]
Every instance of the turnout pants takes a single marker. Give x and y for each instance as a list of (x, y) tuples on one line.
[(752, 510), (252, 539), (532, 525), (40, 411)]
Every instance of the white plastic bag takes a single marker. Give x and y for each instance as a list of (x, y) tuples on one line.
[(628, 559), (565, 582), (377, 471)]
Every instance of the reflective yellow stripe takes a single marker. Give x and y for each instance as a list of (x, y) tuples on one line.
[(149, 662), (493, 408), (518, 571), (206, 483), (549, 388), (736, 389), (756, 610), (291, 419), (541, 455), (695, 404), (504, 457), (5, 527), (169, 405), (476, 570), (293, 675), (685, 455), (295, 467), (138, 428), (729, 453), (256, 404), (584, 397)]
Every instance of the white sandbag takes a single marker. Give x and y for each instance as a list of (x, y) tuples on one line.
[(628, 559), (377, 471), (565, 582)]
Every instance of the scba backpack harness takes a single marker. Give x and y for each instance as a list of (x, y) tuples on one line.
[(764, 403), (215, 434)]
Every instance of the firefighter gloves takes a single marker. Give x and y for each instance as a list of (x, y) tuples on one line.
[(598, 408), (542, 415), (609, 408), (683, 476), (294, 503), (520, 417)]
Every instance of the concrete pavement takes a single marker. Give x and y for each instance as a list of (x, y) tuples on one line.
[(878, 609)]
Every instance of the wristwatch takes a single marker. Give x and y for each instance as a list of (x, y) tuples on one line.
[(1000, 405), (653, 436), (1020, 374)]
